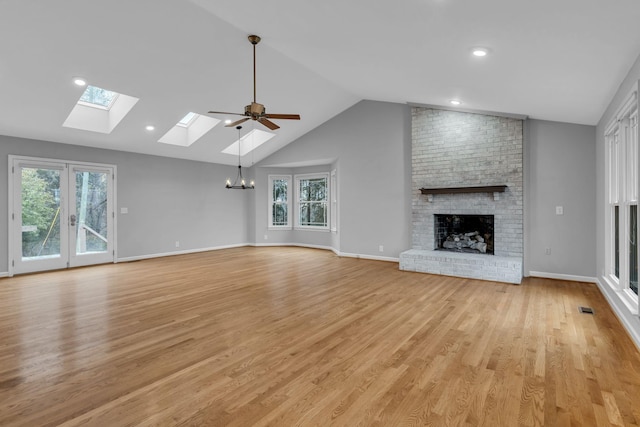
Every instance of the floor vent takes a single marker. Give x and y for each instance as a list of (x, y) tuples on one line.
[(585, 310)]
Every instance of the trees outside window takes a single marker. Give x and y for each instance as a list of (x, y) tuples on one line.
[(312, 201), (280, 201)]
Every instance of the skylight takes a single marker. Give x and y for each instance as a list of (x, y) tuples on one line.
[(96, 96), (187, 119), (189, 129), (249, 142), (99, 110)]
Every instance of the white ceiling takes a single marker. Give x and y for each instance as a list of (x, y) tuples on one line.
[(550, 59)]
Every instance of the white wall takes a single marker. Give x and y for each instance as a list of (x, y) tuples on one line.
[(560, 161), (167, 199), (370, 146)]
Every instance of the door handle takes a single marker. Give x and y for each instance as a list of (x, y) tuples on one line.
[(72, 218)]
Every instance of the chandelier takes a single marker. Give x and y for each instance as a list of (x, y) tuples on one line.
[(239, 183)]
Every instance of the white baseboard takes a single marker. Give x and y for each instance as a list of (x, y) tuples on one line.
[(372, 257), (329, 248), (188, 251), (630, 322), (569, 277), (4, 274), (298, 245)]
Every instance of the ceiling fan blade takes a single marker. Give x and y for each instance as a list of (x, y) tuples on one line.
[(268, 123), (236, 123), (283, 116), (224, 112)]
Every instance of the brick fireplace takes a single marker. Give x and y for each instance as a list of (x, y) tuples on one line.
[(456, 150)]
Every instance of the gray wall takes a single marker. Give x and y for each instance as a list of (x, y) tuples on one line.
[(167, 199), (561, 160), (370, 146)]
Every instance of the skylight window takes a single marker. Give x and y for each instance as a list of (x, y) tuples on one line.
[(189, 129), (99, 110), (250, 142), (186, 120), (98, 97)]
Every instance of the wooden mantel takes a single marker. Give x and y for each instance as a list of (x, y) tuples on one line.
[(495, 189), (454, 190)]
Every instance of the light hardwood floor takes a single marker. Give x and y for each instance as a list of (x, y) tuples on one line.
[(290, 336)]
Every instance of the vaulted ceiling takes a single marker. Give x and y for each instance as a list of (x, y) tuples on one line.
[(548, 59)]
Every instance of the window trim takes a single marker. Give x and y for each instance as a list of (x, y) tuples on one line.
[(327, 201), (270, 225)]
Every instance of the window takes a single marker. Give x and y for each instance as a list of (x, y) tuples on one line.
[(187, 119), (621, 248), (334, 201), (98, 97), (312, 201), (279, 201)]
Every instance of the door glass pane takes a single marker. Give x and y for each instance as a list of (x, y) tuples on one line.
[(91, 212), (633, 248), (616, 240), (40, 195)]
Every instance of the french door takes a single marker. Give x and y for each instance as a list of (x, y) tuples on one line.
[(61, 214)]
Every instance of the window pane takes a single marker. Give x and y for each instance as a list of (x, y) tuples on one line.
[(98, 96), (279, 214), (91, 210), (313, 214), (40, 213), (313, 189), (319, 213), (279, 190), (633, 248), (616, 240)]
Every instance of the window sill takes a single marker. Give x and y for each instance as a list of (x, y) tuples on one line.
[(281, 228), (626, 296), (326, 230)]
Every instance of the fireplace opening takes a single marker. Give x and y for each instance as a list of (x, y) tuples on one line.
[(464, 233)]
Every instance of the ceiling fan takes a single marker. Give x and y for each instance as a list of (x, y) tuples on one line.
[(255, 111)]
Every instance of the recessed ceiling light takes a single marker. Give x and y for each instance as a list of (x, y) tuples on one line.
[(150, 127), (227, 121), (480, 51), (79, 81), (455, 102)]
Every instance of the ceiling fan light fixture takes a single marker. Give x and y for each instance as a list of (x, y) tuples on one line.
[(256, 111)]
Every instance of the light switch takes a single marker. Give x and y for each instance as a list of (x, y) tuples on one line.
[(124, 210), (559, 210)]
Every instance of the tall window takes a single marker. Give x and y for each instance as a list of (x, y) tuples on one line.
[(622, 213), (279, 201), (312, 201)]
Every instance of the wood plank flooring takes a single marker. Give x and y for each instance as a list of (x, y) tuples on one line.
[(291, 336)]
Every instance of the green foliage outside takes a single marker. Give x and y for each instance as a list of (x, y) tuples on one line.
[(39, 210)]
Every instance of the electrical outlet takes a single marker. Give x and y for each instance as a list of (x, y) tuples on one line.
[(177, 244), (547, 251), (559, 210), (266, 237), (381, 248), (124, 211)]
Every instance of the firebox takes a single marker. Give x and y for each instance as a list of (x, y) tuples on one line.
[(464, 233)]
